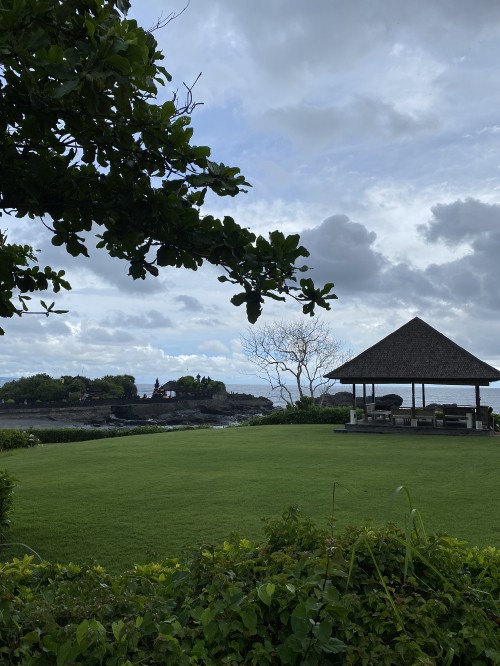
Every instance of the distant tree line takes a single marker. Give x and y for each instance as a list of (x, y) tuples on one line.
[(43, 388)]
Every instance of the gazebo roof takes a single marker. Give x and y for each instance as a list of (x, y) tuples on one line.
[(416, 352)]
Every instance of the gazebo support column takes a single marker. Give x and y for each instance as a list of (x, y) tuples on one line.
[(413, 418), (364, 395), (373, 392), (423, 396), (353, 410), (479, 423)]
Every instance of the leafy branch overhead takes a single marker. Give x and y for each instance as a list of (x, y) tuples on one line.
[(85, 145)]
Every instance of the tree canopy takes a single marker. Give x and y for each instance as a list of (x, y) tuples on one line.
[(43, 388), (86, 147)]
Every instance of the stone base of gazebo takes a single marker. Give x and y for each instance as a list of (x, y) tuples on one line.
[(389, 429)]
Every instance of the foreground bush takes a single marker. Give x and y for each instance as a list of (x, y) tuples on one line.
[(298, 415), (300, 597)]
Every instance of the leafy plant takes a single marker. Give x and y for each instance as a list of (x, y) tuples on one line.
[(301, 596), (305, 413), (17, 439)]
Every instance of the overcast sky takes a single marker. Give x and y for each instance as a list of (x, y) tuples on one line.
[(370, 127)]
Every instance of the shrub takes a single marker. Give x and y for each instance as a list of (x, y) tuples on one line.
[(314, 414), (6, 492), (62, 435), (300, 597), (16, 439)]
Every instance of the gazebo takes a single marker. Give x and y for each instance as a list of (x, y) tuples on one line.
[(415, 354)]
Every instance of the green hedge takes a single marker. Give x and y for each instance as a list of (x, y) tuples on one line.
[(294, 415), (300, 597), (18, 439), (61, 435)]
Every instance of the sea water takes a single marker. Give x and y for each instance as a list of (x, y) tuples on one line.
[(461, 395)]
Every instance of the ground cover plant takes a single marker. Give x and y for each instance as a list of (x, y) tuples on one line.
[(302, 596), (139, 498)]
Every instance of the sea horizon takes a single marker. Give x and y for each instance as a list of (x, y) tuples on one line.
[(434, 393), (439, 394)]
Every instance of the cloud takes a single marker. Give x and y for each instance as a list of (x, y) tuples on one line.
[(463, 220), (363, 118), (213, 347), (342, 252), (145, 320), (96, 335), (189, 303)]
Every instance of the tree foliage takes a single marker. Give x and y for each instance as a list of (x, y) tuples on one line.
[(43, 388), (293, 356), (86, 147), (202, 385)]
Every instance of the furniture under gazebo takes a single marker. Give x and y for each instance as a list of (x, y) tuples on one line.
[(417, 354)]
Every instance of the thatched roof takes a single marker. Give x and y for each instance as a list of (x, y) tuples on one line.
[(418, 353)]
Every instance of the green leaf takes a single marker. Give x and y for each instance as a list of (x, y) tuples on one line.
[(265, 593), (65, 88), (249, 618), (239, 299), (123, 6), (81, 630), (301, 624)]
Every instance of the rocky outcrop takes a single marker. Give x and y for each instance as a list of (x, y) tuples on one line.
[(344, 399), (233, 408), (221, 409)]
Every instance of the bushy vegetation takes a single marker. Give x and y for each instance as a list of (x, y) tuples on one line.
[(43, 388), (202, 385), (6, 492), (303, 596), (21, 439), (17, 439), (307, 414)]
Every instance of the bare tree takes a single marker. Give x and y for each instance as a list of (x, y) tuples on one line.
[(293, 355)]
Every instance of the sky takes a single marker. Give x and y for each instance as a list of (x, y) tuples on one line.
[(372, 128)]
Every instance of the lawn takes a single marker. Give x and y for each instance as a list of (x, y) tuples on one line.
[(139, 498)]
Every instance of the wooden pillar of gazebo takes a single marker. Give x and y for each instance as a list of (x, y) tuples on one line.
[(478, 404), (354, 396), (423, 396), (373, 392), (413, 400)]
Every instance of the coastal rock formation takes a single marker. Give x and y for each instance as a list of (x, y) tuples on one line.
[(344, 399), (221, 409)]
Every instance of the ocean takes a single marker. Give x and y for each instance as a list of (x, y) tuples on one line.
[(461, 395)]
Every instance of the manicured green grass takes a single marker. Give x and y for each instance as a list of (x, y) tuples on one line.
[(139, 498)]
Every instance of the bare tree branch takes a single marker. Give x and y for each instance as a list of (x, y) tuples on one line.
[(294, 356), (162, 22)]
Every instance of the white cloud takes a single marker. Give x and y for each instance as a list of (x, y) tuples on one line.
[(213, 347)]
